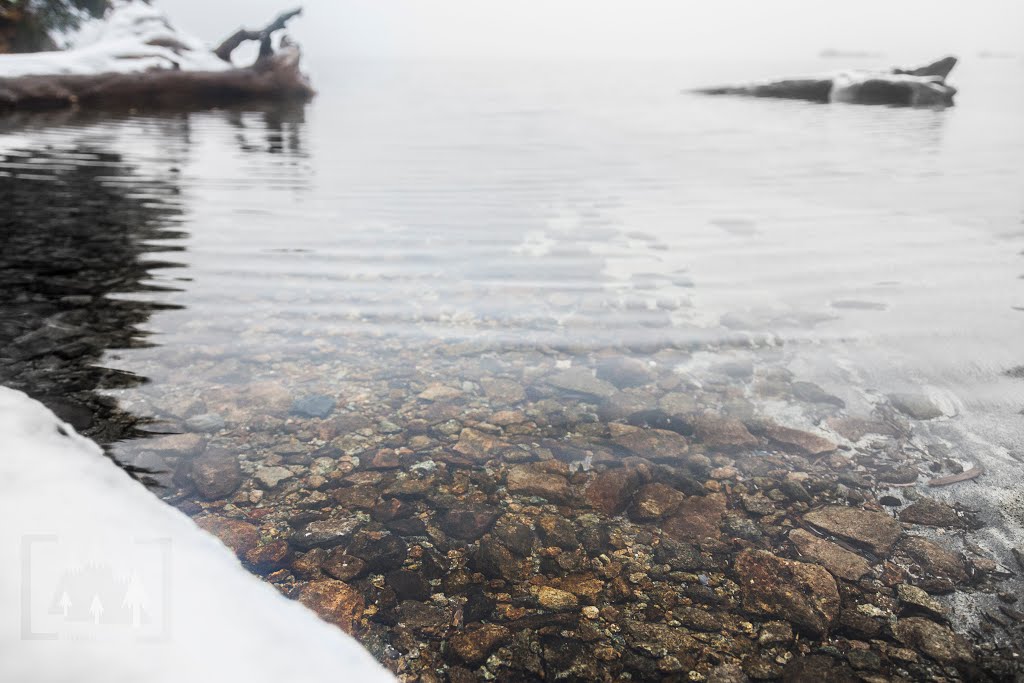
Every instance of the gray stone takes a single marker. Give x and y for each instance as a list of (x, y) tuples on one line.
[(314, 406), (269, 477), (581, 380)]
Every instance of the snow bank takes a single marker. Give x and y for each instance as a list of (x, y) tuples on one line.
[(100, 581), (134, 36)]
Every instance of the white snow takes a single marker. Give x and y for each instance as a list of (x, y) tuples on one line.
[(70, 518), (133, 36)]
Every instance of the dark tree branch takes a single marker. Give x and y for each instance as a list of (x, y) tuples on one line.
[(240, 36)]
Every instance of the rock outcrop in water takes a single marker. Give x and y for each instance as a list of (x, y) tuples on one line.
[(918, 87)]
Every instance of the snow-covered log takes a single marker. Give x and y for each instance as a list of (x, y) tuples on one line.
[(135, 58), (918, 87), (80, 537)]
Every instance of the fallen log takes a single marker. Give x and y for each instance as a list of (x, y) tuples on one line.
[(275, 78), (146, 64), (918, 87)]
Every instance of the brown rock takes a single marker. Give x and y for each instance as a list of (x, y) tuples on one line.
[(236, 534), (341, 566), (335, 602), (624, 372), (839, 561), (555, 599), (931, 512), (269, 557), (478, 445), (535, 480), (503, 391), (937, 569), (876, 530), (216, 474), (439, 392), (610, 491), (698, 519), (326, 533), (178, 444), (580, 380), (936, 641), (723, 433), (467, 524), (916, 600), (474, 645), (799, 441), (655, 444), (654, 501), (803, 594)]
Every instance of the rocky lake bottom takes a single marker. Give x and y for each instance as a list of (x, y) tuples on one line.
[(547, 470)]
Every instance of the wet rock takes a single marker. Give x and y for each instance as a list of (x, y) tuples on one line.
[(916, 600), (516, 536), (424, 617), (698, 519), (856, 428), (625, 404), (799, 441), (342, 566), (494, 560), (381, 550), (876, 530), (937, 570), (916, 406), (216, 474), (931, 512), (677, 404), (839, 561), (729, 672), (659, 640), (326, 533), (269, 557), (680, 556), (556, 600), (723, 433), (467, 524), (238, 535), (314, 406), (474, 645), (758, 504), (775, 632), (440, 392), (580, 380), (178, 444), (624, 372), (610, 491), (557, 531), (504, 392), (654, 501), (655, 444), (795, 491), (816, 669), (936, 641), (205, 423), (536, 480), (812, 393), (269, 477), (478, 445), (803, 594), (408, 585), (697, 619), (335, 602)]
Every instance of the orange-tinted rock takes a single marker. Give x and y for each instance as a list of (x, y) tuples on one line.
[(839, 561), (654, 501), (610, 491), (876, 530), (655, 444), (239, 535), (799, 440), (334, 601), (803, 594), (698, 519), (723, 433)]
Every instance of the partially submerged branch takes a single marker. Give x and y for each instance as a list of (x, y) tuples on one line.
[(242, 35)]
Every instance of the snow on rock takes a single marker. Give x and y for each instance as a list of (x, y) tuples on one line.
[(133, 36), (101, 581)]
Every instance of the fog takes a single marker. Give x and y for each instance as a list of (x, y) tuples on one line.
[(642, 29)]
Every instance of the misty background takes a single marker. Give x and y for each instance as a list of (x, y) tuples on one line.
[(782, 30)]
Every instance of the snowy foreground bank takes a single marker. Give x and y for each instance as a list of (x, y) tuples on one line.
[(101, 581)]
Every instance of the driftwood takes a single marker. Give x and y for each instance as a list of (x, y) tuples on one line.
[(918, 87), (275, 76)]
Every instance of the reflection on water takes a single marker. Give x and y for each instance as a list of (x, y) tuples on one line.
[(545, 359)]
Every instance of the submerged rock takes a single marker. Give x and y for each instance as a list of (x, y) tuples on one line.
[(335, 602), (839, 561), (216, 474), (935, 640), (917, 406), (803, 594), (876, 530)]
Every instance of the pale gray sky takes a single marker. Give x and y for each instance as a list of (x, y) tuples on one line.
[(775, 29)]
